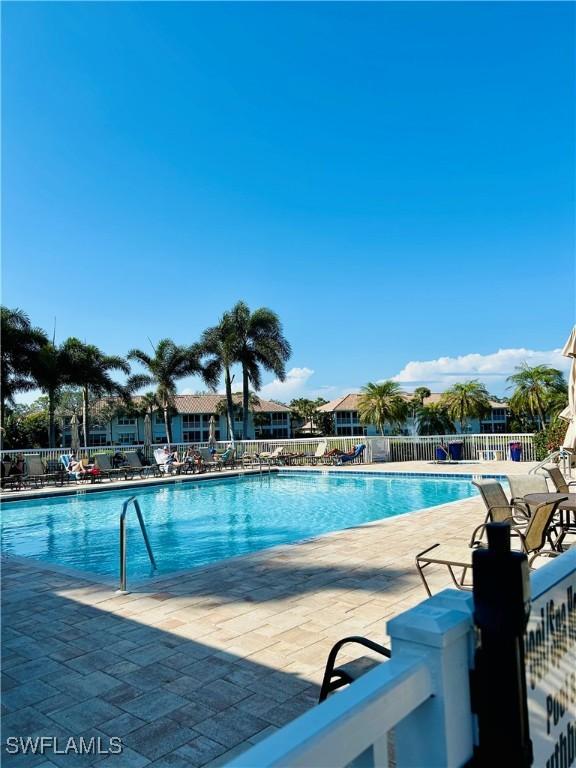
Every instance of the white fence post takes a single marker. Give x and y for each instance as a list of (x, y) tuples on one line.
[(440, 732)]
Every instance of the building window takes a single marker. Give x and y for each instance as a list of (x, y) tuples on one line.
[(159, 418), (94, 440), (126, 438), (191, 420), (279, 418), (126, 421), (343, 430)]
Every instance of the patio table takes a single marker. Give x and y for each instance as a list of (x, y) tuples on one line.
[(566, 506)]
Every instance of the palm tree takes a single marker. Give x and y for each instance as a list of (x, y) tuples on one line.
[(219, 344), (169, 363), (433, 419), (91, 371), (466, 401), (535, 389), (259, 343), (382, 404), (417, 401), (20, 343), (303, 409), (52, 369), (421, 393)]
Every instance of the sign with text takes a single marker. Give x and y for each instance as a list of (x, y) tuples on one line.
[(550, 645)]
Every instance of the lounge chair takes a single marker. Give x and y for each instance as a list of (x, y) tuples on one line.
[(532, 540), (208, 460), (12, 474), (70, 475), (345, 458), (560, 483), (269, 457), (136, 465), (36, 471), (162, 466), (318, 455), (102, 461), (226, 459)]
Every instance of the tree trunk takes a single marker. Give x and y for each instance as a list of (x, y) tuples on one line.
[(85, 425), (167, 425), (229, 403), (245, 401), (51, 425), (540, 411)]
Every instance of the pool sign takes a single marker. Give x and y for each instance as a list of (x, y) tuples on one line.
[(550, 645)]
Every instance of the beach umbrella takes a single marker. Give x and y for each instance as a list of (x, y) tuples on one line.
[(212, 431), (569, 413), (74, 436), (147, 430)]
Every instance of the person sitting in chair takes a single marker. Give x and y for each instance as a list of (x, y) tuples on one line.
[(338, 452), (171, 460)]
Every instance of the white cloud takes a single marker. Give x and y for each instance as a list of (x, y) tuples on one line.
[(293, 386), (492, 369)]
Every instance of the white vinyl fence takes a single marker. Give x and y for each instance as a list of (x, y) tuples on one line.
[(388, 448)]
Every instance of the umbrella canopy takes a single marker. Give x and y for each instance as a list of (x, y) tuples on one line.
[(212, 430), (570, 412), (147, 430), (74, 436)]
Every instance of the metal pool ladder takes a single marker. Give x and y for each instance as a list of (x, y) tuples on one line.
[(133, 500)]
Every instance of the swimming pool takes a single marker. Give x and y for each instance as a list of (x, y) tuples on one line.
[(195, 523)]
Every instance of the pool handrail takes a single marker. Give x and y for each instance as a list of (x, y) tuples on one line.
[(123, 540)]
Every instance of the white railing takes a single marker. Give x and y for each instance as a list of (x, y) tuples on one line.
[(423, 447), (387, 448), (422, 693)]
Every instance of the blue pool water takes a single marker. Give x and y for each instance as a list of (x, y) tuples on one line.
[(191, 524)]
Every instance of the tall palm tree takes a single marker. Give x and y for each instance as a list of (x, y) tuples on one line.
[(169, 363), (433, 419), (52, 369), (382, 404), (535, 389), (259, 343), (417, 402), (20, 344), (219, 348), (465, 401), (91, 371)]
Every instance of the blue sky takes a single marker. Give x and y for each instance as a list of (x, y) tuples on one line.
[(396, 180)]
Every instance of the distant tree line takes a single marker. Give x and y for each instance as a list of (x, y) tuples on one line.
[(73, 375), (254, 340)]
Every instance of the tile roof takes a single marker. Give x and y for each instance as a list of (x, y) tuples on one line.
[(350, 402), (209, 404)]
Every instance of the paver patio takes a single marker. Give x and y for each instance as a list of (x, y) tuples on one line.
[(192, 669)]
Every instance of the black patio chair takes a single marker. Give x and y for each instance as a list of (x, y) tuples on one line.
[(337, 677)]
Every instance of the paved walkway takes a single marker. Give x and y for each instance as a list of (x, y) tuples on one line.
[(192, 670)]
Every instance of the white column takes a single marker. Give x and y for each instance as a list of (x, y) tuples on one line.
[(440, 732)]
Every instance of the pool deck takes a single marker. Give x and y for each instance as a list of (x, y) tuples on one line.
[(193, 669)]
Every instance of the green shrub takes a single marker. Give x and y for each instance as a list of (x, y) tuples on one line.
[(549, 439)]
